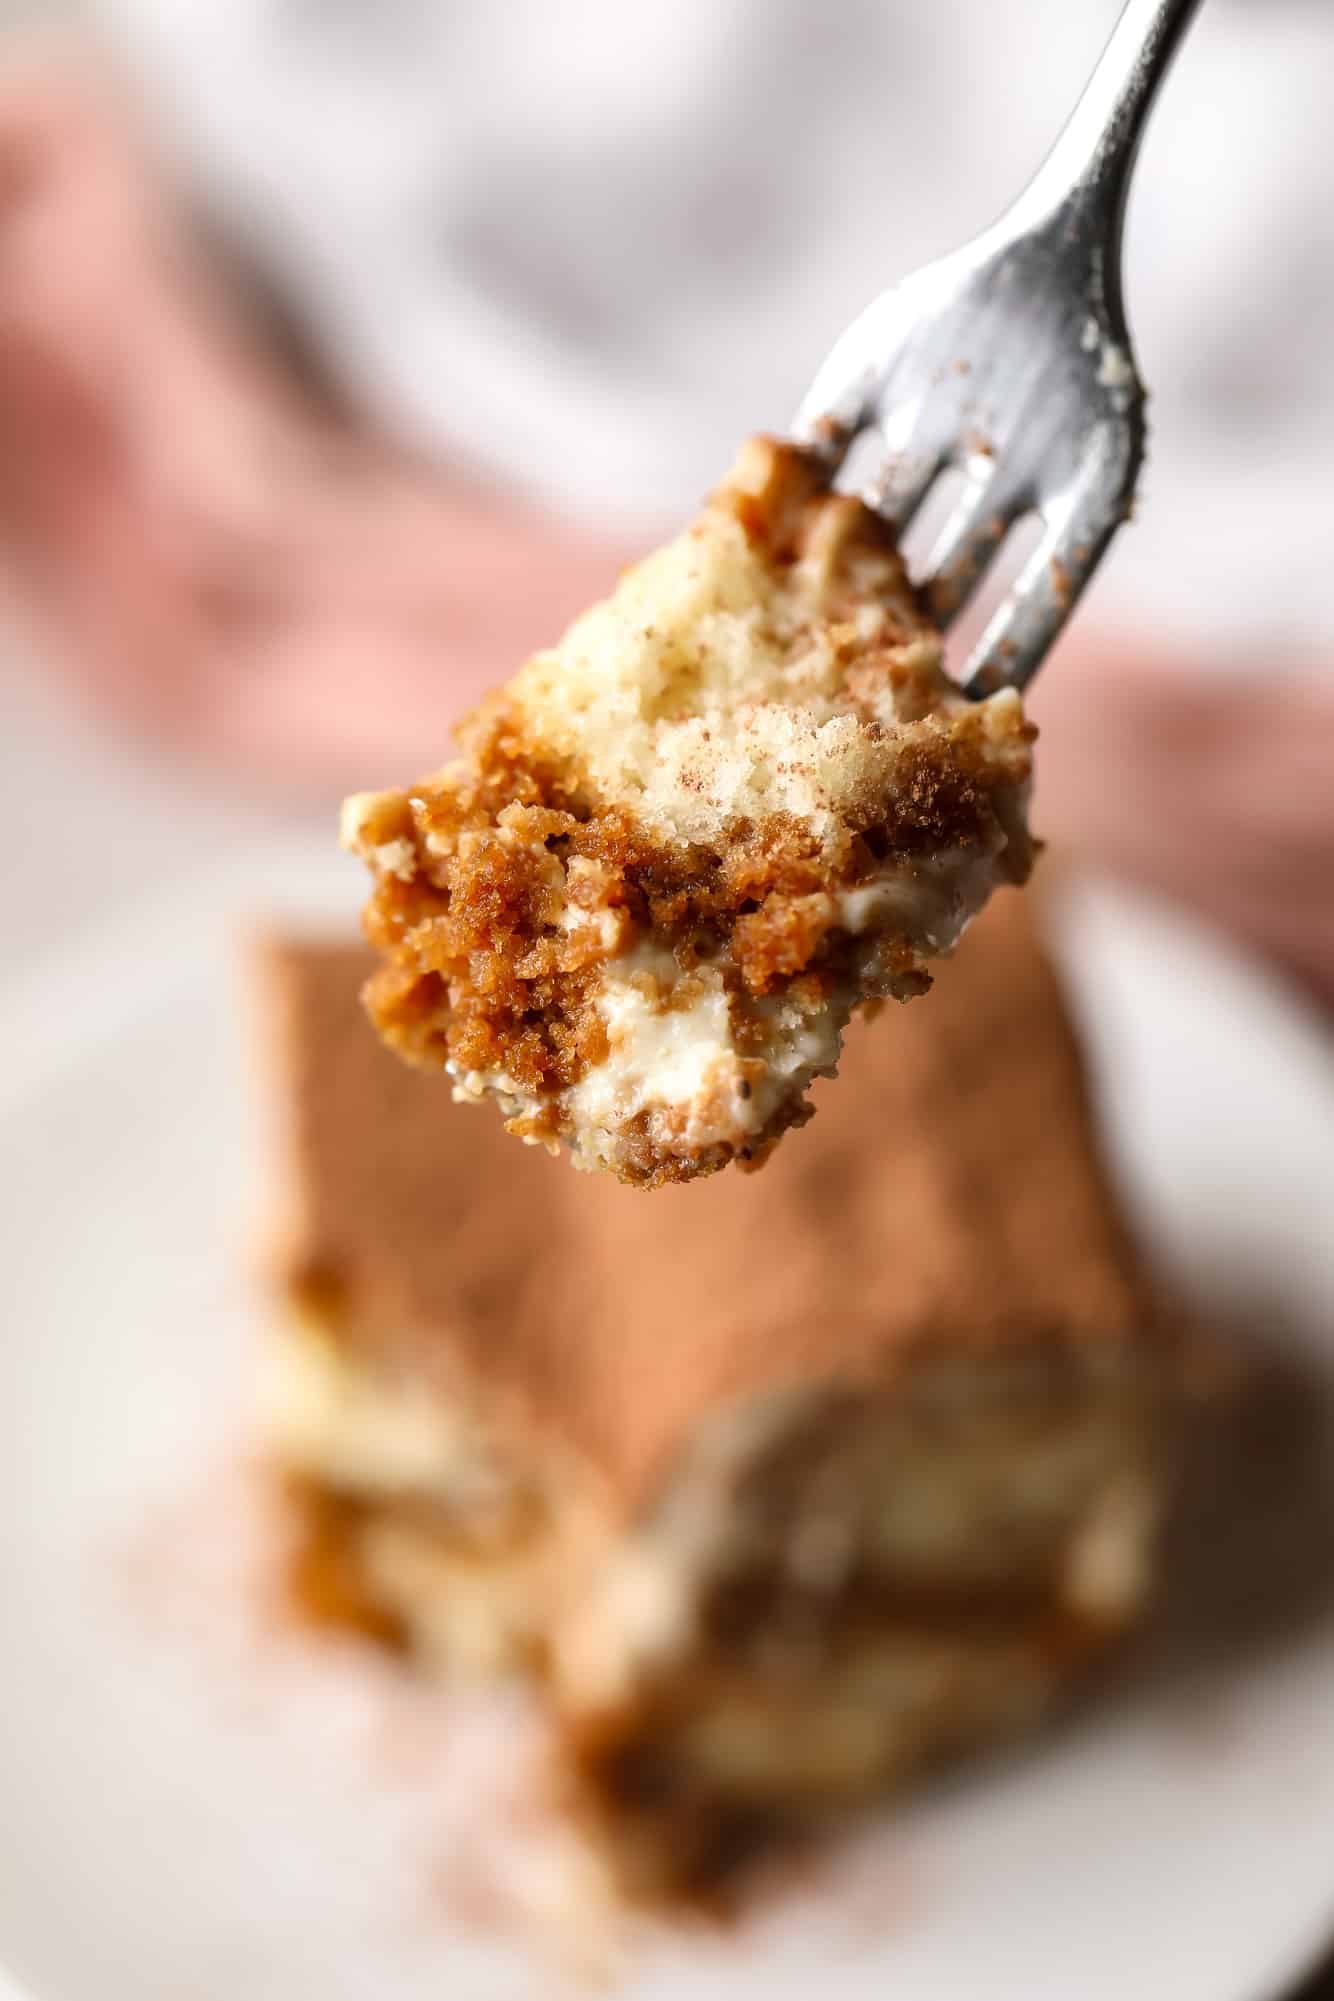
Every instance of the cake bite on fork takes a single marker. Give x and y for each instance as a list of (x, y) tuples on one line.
[(739, 799), (743, 797)]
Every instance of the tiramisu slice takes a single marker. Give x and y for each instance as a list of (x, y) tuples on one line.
[(791, 1484), (741, 797)]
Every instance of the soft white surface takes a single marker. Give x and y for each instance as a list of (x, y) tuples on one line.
[(598, 256), (179, 1823)]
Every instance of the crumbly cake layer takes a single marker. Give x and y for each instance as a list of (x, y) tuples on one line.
[(740, 798)]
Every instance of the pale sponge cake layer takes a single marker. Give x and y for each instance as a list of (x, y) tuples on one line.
[(713, 686), (742, 791)]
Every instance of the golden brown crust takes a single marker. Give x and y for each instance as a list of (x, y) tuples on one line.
[(478, 868), (474, 973)]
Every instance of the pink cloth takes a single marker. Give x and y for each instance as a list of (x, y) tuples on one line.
[(221, 556)]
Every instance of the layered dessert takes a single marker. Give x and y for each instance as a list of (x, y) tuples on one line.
[(740, 798), (787, 1486)]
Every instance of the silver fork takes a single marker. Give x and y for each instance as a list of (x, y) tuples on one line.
[(1010, 360)]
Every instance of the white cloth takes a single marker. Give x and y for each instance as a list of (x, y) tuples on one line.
[(590, 244)]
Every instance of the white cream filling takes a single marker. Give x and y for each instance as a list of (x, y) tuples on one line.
[(357, 1432), (684, 1060), (680, 1062), (681, 1065), (663, 1056), (668, 1055), (931, 902), (677, 1059)]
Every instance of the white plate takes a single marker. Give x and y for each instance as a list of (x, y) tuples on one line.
[(191, 1809)]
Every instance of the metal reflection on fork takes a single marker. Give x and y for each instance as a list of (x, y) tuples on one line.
[(1010, 361)]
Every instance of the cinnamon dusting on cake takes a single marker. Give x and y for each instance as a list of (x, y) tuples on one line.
[(754, 738)]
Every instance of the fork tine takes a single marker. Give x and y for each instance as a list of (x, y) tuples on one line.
[(1047, 590), (902, 482), (981, 519)]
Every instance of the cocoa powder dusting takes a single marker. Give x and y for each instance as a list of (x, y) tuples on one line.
[(612, 1323)]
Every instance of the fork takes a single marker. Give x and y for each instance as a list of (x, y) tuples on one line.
[(1010, 362)]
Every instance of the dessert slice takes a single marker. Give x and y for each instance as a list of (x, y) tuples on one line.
[(789, 1485), (741, 797)]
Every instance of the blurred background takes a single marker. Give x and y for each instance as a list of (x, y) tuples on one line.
[(347, 347)]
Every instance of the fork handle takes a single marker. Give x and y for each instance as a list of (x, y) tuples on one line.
[(1088, 169)]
